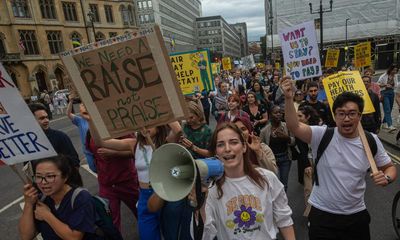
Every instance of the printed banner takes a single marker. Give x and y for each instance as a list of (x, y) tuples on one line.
[(300, 51), (216, 68), (349, 81), (226, 63), (21, 137), (332, 57), (362, 54), (123, 82), (193, 71), (248, 62)]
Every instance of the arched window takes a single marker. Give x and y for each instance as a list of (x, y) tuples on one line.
[(3, 51), (76, 39), (47, 8), (100, 36), (29, 41), (131, 14), (20, 8), (55, 41), (124, 14)]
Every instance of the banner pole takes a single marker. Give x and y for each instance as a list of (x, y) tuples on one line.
[(148, 138), (367, 149)]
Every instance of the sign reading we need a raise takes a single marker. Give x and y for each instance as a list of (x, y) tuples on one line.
[(21, 138), (300, 51), (349, 81), (123, 82)]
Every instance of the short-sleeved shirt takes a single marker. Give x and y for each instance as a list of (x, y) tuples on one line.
[(341, 172), (83, 127), (200, 137), (81, 218)]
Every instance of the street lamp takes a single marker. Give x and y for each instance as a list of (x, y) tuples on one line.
[(346, 48), (321, 12), (271, 24), (92, 20)]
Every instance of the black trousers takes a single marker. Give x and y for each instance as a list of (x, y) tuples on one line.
[(328, 226)]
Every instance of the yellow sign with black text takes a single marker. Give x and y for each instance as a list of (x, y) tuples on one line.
[(362, 55), (332, 57), (226, 63)]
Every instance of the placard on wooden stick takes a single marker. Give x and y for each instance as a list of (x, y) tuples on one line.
[(126, 82)]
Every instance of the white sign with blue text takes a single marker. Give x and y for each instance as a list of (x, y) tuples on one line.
[(300, 51), (21, 138)]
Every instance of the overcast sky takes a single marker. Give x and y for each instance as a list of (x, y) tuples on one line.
[(249, 11)]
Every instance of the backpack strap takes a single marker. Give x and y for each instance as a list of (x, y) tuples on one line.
[(372, 143), (75, 194), (326, 139)]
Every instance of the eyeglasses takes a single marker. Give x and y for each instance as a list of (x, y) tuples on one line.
[(351, 115), (48, 178), (298, 94)]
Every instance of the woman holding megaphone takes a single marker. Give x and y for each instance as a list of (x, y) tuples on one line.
[(247, 202)]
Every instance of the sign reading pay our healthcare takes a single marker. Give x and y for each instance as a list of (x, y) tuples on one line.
[(193, 71), (123, 82), (21, 138), (300, 51), (349, 81)]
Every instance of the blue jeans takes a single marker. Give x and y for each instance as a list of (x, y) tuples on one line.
[(388, 99), (148, 222), (284, 163), (176, 219)]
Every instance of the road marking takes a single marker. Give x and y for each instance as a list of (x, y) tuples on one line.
[(11, 204), (58, 119), (86, 167)]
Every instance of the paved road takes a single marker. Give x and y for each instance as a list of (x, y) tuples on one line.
[(378, 199)]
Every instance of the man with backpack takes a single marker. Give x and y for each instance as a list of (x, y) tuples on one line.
[(338, 209)]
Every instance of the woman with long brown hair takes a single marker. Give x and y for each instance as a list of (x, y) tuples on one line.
[(247, 202)]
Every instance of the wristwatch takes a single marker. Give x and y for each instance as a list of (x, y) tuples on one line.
[(388, 178)]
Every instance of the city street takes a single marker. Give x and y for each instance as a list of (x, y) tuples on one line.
[(379, 200)]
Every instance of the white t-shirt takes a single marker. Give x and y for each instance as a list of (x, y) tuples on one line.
[(246, 211), (142, 162), (341, 172)]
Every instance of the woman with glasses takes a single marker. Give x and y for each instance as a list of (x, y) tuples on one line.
[(54, 216), (298, 99)]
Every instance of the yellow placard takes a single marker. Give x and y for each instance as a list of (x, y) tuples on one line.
[(277, 65), (226, 63), (216, 68), (261, 66), (349, 81), (362, 54), (332, 57), (193, 71)]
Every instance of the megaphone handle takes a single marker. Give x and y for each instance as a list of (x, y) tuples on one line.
[(198, 227), (148, 138)]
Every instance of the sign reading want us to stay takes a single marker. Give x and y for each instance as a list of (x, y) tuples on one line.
[(193, 71), (349, 81), (123, 82), (300, 51), (21, 138)]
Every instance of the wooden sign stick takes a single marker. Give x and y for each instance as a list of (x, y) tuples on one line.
[(367, 149)]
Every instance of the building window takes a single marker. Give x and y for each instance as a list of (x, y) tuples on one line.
[(146, 18), (109, 13), (100, 36), (112, 34), (140, 6), (125, 15), (93, 8), (47, 8), (149, 4), (3, 51), (29, 40), (55, 41), (76, 40), (141, 19), (131, 14), (20, 8), (69, 10), (144, 5)]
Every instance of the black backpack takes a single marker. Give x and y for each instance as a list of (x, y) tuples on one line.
[(326, 139)]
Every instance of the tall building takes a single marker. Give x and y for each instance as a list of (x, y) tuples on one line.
[(217, 35), (32, 33), (176, 19), (241, 29), (368, 20)]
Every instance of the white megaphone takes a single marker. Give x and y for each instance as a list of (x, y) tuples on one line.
[(173, 171)]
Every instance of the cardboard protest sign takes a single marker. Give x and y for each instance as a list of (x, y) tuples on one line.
[(193, 71), (248, 62), (349, 81), (362, 54), (332, 57), (300, 51), (123, 82), (21, 137), (226, 63), (216, 68)]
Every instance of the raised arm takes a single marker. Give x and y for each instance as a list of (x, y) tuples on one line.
[(300, 130), (70, 115)]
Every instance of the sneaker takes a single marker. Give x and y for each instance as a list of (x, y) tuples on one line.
[(391, 129)]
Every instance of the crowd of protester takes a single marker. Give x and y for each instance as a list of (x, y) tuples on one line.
[(254, 140)]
